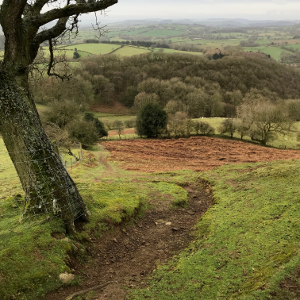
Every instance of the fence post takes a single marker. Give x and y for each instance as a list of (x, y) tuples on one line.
[(81, 151)]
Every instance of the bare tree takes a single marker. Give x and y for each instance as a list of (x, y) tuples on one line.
[(47, 185), (264, 118)]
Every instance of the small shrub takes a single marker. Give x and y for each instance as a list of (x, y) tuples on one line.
[(119, 126)]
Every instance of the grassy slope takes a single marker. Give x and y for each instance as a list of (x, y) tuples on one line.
[(30, 258), (246, 244)]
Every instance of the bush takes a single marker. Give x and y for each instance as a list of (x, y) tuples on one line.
[(89, 117), (204, 128), (178, 124), (83, 132), (227, 126), (151, 120)]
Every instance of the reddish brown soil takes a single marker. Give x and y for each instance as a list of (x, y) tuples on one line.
[(130, 252), (195, 153)]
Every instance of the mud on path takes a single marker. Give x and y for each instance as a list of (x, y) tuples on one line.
[(195, 153), (131, 252)]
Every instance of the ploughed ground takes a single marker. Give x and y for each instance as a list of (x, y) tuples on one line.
[(195, 153), (129, 252)]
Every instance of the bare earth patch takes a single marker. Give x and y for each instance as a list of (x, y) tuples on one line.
[(195, 153)]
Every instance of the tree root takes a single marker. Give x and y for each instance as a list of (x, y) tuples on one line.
[(96, 287)]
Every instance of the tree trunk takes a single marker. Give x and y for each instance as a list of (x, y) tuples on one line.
[(47, 185)]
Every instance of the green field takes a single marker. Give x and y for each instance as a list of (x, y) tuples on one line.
[(296, 47), (178, 51), (93, 48), (129, 51), (283, 141), (216, 43), (207, 37), (68, 52), (275, 52)]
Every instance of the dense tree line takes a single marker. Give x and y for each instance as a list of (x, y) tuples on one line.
[(192, 84)]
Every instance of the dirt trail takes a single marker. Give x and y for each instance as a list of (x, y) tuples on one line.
[(131, 252)]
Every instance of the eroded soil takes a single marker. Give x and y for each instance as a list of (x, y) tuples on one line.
[(195, 153), (131, 252)]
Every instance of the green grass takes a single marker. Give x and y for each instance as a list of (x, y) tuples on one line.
[(93, 48), (8, 175), (129, 51), (178, 51), (217, 43), (275, 52), (287, 140), (245, 245), (295, 46)]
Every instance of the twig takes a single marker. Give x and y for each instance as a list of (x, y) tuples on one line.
[(90, 289)]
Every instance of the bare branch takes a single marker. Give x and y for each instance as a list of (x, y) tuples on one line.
[(52, 64), (70, 10), (100, 30)]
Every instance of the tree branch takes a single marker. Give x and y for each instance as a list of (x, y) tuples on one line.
[(51, 64), (48, 34), (70, 10), (38, 5)]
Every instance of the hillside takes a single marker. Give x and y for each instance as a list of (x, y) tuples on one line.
[(245, 246)]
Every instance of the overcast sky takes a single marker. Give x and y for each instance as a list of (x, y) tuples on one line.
[(203, 9)]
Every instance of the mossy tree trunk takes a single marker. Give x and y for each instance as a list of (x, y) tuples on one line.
[(47, 185)]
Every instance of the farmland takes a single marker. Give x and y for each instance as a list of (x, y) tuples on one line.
[(196, 153), (268, 40)]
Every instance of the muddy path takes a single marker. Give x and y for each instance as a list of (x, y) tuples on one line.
[(130, 252)]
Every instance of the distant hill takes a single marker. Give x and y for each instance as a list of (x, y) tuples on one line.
[(219, 22), (222, 22)]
